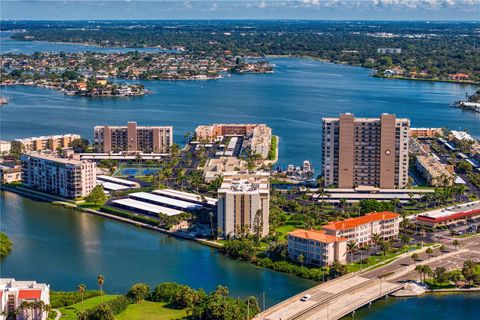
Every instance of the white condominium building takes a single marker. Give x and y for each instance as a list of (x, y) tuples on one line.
[(361, 229), (241, 198), (64, 177), (13, 293)]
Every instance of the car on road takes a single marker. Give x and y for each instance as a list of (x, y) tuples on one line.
[(306, 297)]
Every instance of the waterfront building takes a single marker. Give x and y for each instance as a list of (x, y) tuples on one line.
[(47, 142), (426, 132), (68, 178), (133, 138), (5, 147), (257, 137), (218, 166), (243, 203), (316, 247), (435, 173), (10, 174), (365, 151), (13, 293), (450, 215), (361, 229)]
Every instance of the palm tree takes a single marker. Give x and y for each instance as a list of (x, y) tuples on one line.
[(81, 289), (352, 247), (343, 205), (414, 257), (429, 252), (385, 246), (395, 202), (376, 240), (301, 259), (405, 239), (456, 244), (101, 281)]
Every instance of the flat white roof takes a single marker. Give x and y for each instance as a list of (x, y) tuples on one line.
[(147, 206), (232, 143), (164, 200), (440, 213), (113, 179), (359, 196), (110, 186), (185, 195)]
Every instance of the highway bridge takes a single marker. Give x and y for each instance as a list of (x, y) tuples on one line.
[(340, 297)]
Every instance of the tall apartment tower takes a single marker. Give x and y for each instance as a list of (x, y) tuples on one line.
[(365, 151), (133, 138), (240, 198)]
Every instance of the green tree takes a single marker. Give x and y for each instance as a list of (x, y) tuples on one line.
[(97, 196), (5, 245), (429, 252), (138, 292), (100, 282), (79, 145), (258, 225)]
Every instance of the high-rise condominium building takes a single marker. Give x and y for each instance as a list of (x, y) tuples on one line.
[(365, 151), (47, 142), (67, 178), (133, 138), (243, 203)]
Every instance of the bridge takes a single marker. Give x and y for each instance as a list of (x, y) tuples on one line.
[(340, 297)]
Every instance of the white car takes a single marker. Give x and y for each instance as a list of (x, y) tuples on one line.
[(306, 297)]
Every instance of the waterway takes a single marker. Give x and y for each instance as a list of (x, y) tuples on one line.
[(64, 247), (439, 306), (292, 101)]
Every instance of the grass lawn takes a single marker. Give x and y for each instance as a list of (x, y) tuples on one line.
[(151, 311), (283, 230), (69, 312)]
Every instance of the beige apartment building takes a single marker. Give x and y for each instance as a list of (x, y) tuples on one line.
[(365, 151), (316, 247), (218, 166), (47, 142), (361, 229), (258, 137), (435, 173), (68, 178), (240, 198), (133, 138)]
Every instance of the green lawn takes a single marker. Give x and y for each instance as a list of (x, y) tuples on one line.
[(151, 311), (69, 312), (284, 230)]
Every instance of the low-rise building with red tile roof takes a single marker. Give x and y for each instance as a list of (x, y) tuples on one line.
[(361, 229), (315, 247), (13, 293)]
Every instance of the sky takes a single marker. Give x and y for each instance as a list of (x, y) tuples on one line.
[(240, 9)]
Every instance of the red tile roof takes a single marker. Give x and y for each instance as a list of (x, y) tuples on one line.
[(29, 294), (355, 222), (318, 235)]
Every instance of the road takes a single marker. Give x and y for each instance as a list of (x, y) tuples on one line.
[(341, 296)]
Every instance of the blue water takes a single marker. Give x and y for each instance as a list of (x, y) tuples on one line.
[(430, 306), (292, 101)]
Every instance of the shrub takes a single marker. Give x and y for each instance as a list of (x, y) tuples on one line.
[(138, 292), (165, 292)]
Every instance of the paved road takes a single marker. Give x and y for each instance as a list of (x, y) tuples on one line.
[(340, 297)]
